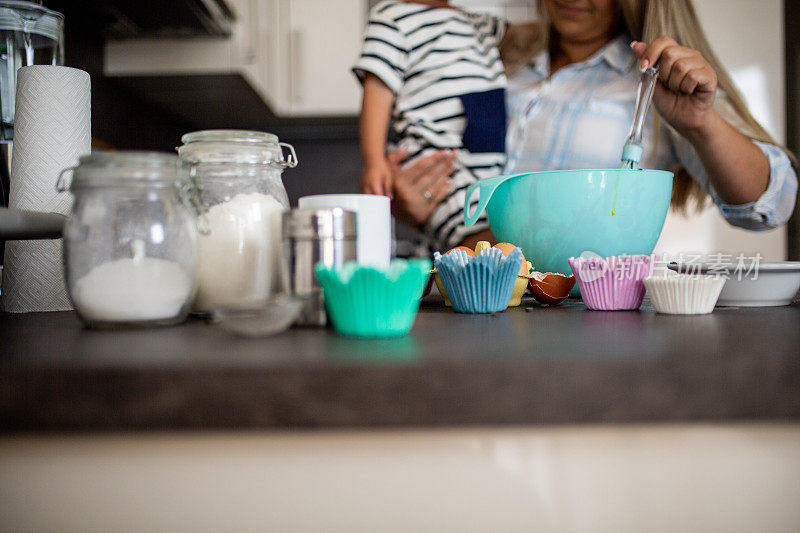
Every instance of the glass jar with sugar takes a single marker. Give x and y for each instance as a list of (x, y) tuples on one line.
[(130, 243), (238, 176)]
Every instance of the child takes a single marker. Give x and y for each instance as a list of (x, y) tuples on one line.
[(436, 71)]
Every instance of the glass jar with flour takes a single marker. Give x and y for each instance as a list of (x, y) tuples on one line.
[(130, 244), (238, 175)]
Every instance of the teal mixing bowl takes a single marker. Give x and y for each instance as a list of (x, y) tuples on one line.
[(560, 214)]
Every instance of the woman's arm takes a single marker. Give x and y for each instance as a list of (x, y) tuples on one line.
[(737, 169), (376, 109)]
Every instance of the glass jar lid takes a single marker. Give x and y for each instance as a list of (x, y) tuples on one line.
[(237, 147), (125, 168), (235, 136), (32, 18)]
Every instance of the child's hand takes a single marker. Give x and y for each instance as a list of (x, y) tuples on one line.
[(376, 178)]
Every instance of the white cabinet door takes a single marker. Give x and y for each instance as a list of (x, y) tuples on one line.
[(323, 39), (257, 39)]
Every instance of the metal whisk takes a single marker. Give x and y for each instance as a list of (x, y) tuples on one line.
[(632, 151)]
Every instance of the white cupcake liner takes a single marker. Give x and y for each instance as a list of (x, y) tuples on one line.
[(682, 294)]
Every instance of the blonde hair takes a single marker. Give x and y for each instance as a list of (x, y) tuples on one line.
[(644, 20)]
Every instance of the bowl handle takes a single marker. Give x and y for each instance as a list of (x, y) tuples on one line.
[(487, 187)]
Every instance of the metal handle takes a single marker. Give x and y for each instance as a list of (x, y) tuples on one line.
[(644, 96), (294, 76), (62, 185), (290, 161), (250, 55), (632, 151)]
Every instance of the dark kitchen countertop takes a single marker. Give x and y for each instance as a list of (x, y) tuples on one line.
[(553, 365)]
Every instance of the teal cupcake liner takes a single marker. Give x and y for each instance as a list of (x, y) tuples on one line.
[(367, 302), (481, 284)]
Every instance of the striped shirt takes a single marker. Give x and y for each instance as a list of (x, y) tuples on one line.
[(580, 116), (444, 68)]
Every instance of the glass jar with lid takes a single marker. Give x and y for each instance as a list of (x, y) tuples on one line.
[(130, 243), (238, 176)]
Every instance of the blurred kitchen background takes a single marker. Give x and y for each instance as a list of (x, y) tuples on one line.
[(160, 69)]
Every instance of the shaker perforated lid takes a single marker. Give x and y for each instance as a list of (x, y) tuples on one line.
[(312, 224)]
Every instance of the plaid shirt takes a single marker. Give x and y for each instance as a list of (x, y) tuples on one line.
[(580, 117)]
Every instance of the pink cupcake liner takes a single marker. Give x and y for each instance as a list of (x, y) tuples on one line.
[(613, 283)]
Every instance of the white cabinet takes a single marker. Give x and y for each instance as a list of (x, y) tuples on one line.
[(621, 478), (296, 54), (324, 40)]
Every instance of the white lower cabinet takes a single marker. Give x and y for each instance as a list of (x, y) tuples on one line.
[(621, 479)]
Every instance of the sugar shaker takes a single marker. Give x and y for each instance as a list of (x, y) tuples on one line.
[(312, 236)]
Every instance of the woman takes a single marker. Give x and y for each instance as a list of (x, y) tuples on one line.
[(571, 97)]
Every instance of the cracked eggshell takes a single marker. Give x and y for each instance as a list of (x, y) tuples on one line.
[(551, 288)]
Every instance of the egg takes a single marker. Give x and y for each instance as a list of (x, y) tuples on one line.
[(470, 251), (551, 288), (507, 248), (439, 285)]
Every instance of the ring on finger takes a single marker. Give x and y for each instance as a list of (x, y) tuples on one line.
[(427, 195)]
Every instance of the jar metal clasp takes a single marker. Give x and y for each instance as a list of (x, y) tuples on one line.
[(291, 161), (62, 184)]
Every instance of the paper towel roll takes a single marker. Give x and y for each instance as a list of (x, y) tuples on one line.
[(52, 128)]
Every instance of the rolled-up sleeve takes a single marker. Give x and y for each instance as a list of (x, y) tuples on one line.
[(773, 207), (776, 204)]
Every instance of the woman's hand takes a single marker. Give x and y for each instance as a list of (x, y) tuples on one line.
[(685, 96), (419, 188), (737, 168)]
